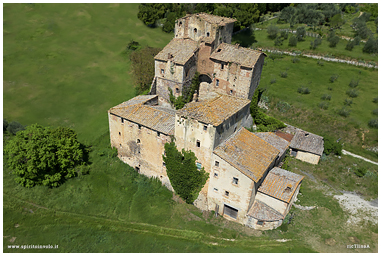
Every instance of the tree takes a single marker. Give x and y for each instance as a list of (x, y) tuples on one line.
[(371, 46), (143, 68), (288, 14), (278, 41), (14, 127), (292, 41), (186, 178), (361, 29), (333, 39), (350, 45), (336, 21), (43, 156), (149, 13), (300, 33), (309, 14), (272, 31)]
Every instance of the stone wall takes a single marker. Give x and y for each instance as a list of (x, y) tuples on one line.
[(308, 157), (221, 182), (139, 147)]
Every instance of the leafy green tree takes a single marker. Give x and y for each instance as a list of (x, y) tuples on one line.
[(169, 25), (337, 21), (361, 29), (293, 41), (149, 13), (288, 14), (309, 14), (205, 7), (329, 10), (350, 45), (14, 127), (357, 40), (44, 156), (300, 33), (331, 146), (272, 31), (185, 177), (143, 68), (278, 41), (371, 46), (333, 39)]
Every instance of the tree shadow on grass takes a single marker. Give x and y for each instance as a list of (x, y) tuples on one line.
[(245, 38)]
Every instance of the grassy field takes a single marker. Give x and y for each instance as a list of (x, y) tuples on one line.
[(63, 64), (305, 111), (261, 40)]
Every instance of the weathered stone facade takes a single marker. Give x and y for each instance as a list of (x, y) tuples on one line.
[(240, 164)]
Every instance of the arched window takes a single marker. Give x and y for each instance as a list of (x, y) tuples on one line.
[(195, 30)]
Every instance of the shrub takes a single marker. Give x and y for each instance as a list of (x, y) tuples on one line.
[(332, 146), (354, 83), (357, 40), (293, 41), (323, 105), (300, 33), (320, 63), (353, 93), (284, 34), (283, 106), (375, 100), (283, 74), (276, 55), (272, 31), (329, 88), (344, 112), (295, 60), (278, 41), (303, 90), (326, 97), (333, 39), (333, 78), (132, 46), (348, 102), (373, 123), (5, 125), (375, 112), (360, 172), (350, 45), (371, 46), (273, 81), (315, 43), (14, 127)]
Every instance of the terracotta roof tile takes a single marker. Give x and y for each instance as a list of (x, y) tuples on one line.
[(248, 153), (308, 142), (213, 19), (240, 55), (179, 50), (280, 184), (215, 110), (152, 117), (261, 211), (284, 135), (275, 141)]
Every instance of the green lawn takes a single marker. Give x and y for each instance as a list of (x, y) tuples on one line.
[(63, 64), (261, 40), (305, 111)]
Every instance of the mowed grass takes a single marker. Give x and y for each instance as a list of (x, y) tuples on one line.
[(62, 63), (114, 209), (305, 112), (261, 40)]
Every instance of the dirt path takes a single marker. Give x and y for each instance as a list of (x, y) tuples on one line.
[(357, 156)]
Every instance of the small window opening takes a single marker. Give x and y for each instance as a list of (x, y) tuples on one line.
[(235, 129), (306, 135), (222, 66), (207, 34), (205, 127), (260, 222), (195, 30), (121, 119), (216, 189), (119, 134), (231, 91), (235, 181), (180, 23), (161, 177), (120, 145), (177, 90), (163, 165), (227, 193), (198, 143), (162, 71), (216, 163), (137, 169), (218, 50), (199, 166), (138, 150), (138, 141), (215, 175), (217, 82), (139, 126), (288, 188)]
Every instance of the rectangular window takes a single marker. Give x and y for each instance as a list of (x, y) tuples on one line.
[(222, 66), (121, 119), (139, 126), (230, 211), (205, 127), (217, 82), (162, 71), (198, 143), (215, 175), (163, 163), (235, 181), (199, 166), (260, 222), (227, 193), (216, 189), (216, 163), (158, 134)]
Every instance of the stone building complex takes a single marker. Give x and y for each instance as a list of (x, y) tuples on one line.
[(245, 184)]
